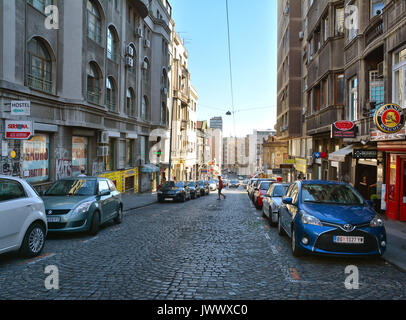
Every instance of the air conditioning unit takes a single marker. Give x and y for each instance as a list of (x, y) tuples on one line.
[(103, 137), (147, 43), (301, 35), (380, 69), (139, 33), (144, 65), (129, 62), (129, 51), (103, 151)]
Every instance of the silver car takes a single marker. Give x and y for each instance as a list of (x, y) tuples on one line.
[(272, 200), (23, 223)]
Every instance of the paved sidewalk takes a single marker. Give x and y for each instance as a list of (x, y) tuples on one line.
[(396, 237), (134, 201)]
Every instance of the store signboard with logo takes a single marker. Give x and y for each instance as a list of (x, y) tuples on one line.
[(301, 165), (20, 108), (343, 129), (365, 154), (19, 130), (390, 118)]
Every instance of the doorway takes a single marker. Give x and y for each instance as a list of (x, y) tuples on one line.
[(396, 187)]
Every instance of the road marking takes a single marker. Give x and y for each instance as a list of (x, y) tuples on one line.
[(38, 259)]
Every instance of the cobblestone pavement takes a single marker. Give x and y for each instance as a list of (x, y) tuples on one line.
[(201, 249)]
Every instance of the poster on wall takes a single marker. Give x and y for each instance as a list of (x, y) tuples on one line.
[(35, 159), (79, 155)]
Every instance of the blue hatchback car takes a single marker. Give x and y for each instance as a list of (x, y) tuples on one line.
[(329, 217)]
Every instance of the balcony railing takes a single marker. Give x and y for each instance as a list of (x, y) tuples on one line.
[(322, 120), (374, 31), (93, 97), (37, 83)]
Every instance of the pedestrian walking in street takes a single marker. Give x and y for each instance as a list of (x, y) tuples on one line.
[(220, 188), (82, 173)]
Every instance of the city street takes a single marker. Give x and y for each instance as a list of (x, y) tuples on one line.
[(201, 249)]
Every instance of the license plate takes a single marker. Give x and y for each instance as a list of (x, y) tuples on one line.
[(349, 239), (54, 219), (168, 199)]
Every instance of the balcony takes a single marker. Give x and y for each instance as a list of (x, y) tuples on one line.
[(374, 30), (321, 121), (183, 125)]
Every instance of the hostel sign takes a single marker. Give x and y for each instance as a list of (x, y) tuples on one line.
[(19, 130)]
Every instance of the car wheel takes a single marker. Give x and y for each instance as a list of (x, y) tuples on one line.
[(271, 222), (95, 226), (119, 218), (184, 198), (296, 251), (34, 241), (281, 232)]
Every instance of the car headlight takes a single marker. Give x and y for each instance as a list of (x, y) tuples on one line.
[(376, 222), (82, 208), (309, 219)]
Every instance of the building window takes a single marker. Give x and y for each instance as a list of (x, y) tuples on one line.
[(112, 44), (353, 99), (35, 159), (145, 70), (339, 89), (339, 22), (399, 78), (376, 7), (326, 28), (376, 88), (129, 152), (163, 113), (79, 155), (93, 22), (316, 99), (110, 94), (324, 93), (40, 4), (352, 33), (39, 66), (93, 83), (143, 148), (144, 108), (130, 102)]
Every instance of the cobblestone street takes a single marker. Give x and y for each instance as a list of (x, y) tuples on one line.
[(201, 249)]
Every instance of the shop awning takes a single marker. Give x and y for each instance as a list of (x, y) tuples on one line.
[(340, 155), (149, 168)]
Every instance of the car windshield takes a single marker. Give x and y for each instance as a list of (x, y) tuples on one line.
[(211, 181), (330, 194), (265, 185), (168, 184), (191, 184), (72, 187), (180, 184), (279, 191), (234, 181)]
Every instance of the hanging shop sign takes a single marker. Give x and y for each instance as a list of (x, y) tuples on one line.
[(19, 130), (320, 155), (20, 108), (301, 165), (365, 154), (343, 129), (390, 118), (277, 171)]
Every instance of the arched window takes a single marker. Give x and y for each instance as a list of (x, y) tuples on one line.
[(112, 44), (145, 70), (93, 83), (93, 22), (163, 113), (110, 94), (144, 108), (39, 66), (130, 102)]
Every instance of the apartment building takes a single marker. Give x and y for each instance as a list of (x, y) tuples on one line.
[(93, 85)]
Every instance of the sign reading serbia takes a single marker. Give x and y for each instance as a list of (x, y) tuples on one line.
[(389, 118), (343, 129), (19, 130)]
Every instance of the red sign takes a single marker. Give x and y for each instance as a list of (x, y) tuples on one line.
[(19, 130), (343, 129)]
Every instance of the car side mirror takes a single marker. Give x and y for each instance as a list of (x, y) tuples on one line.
[(370, 203), (267, 195), (287, 200), (105, 193)]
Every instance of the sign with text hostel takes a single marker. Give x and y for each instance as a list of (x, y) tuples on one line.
[(20, 108), (19, 130)]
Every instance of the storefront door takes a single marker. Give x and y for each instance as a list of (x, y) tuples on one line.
[(396, 188)]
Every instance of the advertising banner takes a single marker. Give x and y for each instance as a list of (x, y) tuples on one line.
[(35, 159), (19, 130)]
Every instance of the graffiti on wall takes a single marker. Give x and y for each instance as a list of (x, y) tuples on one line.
[(63, 168)]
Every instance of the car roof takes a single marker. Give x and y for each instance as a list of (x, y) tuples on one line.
[(324, 182)]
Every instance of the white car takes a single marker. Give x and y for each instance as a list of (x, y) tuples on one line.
[(23, 222), (212, 185)]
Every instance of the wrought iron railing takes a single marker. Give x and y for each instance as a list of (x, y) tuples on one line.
[(39, 83)]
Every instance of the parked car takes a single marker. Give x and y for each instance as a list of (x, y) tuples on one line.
[(234, 184), (204, 187), (272, 201), (194, 189), (82, 204), (260, 192), (174, 191), (254, 186), (23, 223), (245, 184), (212, 185), (250, 186), (226, 183), (331, 218)]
